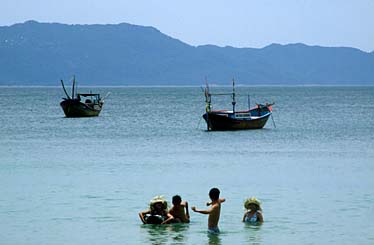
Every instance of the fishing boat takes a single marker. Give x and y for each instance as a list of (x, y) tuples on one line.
[(253, 118), (81, 105)]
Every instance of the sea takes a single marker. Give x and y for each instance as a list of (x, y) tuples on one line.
[(84, 180)]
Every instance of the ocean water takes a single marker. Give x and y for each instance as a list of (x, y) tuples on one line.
[(84, 180)]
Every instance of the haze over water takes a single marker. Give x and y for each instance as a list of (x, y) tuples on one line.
[(84, 180)]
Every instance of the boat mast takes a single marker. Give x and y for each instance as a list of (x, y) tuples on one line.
[(208, 98), (73, 87), (233, 96), (208, 102)]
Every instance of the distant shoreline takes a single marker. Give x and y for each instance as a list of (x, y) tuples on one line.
[(39, 54), (194, 86)]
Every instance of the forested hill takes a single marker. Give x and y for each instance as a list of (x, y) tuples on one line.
[(35, 53)]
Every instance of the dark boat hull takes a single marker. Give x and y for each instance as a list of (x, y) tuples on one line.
[(218, 120), (75, 108)]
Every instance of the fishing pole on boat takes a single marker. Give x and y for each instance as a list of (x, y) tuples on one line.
[(63, 87)]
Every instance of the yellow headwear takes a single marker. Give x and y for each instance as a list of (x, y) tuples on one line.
[(158, 199), (252, 200)]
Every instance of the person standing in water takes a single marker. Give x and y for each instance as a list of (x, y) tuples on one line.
[(214, 212), (253, 212)]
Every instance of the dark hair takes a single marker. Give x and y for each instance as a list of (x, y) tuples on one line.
[(214, 193), (176, 200)]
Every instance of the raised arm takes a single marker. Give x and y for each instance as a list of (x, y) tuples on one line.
[(221, 200), (208, 211), (187, 212)]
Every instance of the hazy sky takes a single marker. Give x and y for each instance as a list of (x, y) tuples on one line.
[(240, 23)]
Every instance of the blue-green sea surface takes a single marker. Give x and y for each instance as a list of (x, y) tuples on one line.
[(84, 180)]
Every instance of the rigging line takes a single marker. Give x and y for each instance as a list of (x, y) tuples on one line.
[(273, 120), (198, 124)]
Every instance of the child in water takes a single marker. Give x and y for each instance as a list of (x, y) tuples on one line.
[(179, 211), (214, 212), (157, 213), (253, 212)]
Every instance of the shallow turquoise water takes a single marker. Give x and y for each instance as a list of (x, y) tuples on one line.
[(83, 181)]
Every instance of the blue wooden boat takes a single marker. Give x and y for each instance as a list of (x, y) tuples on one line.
[(254, 118)]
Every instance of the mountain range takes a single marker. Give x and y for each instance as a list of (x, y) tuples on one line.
[(33, 53)]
